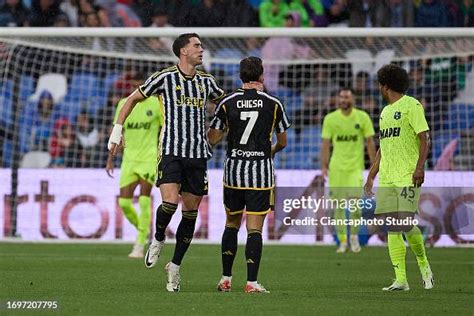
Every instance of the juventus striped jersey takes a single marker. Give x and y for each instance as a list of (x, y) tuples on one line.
[(184, 106), (250, 116)]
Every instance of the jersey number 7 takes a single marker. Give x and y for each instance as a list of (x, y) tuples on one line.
[(252, 115)]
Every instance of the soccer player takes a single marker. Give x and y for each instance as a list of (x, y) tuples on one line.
[(142, 128), (346, 129), (250, 117), (182, 168), (404, 144)]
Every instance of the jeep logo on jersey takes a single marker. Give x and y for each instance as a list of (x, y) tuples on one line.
[(138, 125), (390, 132), (397, 115), (191, 101), (247, 154), (357, 126), (149, 113), (346, 138)]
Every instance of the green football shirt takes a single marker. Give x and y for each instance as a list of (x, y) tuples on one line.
[(347, 134), (141, 130), (400, 124)]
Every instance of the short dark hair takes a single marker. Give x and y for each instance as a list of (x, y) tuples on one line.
[(362, 75), (394, 77), (182, 41), (251, 69)]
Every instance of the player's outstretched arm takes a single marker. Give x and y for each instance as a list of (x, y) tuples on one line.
[(214, 136), (281, 143), (116, 134), (419, 174), (374, 169)]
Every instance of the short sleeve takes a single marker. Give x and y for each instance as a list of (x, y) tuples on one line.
[(326, 132), (416, 117), (368, 127), (215, 92), (282, 121), (153, 85), (219, 121)]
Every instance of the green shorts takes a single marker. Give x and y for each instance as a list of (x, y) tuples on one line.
[(397, 197), (131, 172), (345, 184)]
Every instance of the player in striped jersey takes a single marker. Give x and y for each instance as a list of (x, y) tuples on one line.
[(182, 169), (250, 117)]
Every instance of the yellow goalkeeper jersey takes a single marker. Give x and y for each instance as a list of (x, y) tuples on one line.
[(347, 134)]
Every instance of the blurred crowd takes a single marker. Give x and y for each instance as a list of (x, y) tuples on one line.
[(236, 13)]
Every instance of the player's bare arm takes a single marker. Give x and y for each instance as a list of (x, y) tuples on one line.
[(280, 143), (326, 145), (214, 136), (419, 174), (127, 108), (374, 169), (371, 149)]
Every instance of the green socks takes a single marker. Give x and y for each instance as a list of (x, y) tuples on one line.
[(341, 230), (355, 215), (142, 224), (145, 219), (417, 245), (397, 251), (129, 211)]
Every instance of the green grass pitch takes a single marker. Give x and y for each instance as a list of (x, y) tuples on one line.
[(99, 279)]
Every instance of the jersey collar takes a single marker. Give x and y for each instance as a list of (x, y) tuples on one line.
[(185, 76), (350, 114)]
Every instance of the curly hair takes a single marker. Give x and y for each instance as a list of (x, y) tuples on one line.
[(394, 77)]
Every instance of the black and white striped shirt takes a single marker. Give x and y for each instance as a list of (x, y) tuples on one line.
[(184, 100), (251, 117)]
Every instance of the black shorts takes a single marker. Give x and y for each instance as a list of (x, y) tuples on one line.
[(190, 173), (254, 202)]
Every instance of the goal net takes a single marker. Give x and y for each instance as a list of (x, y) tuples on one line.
[(59, 89), (85, 75)]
